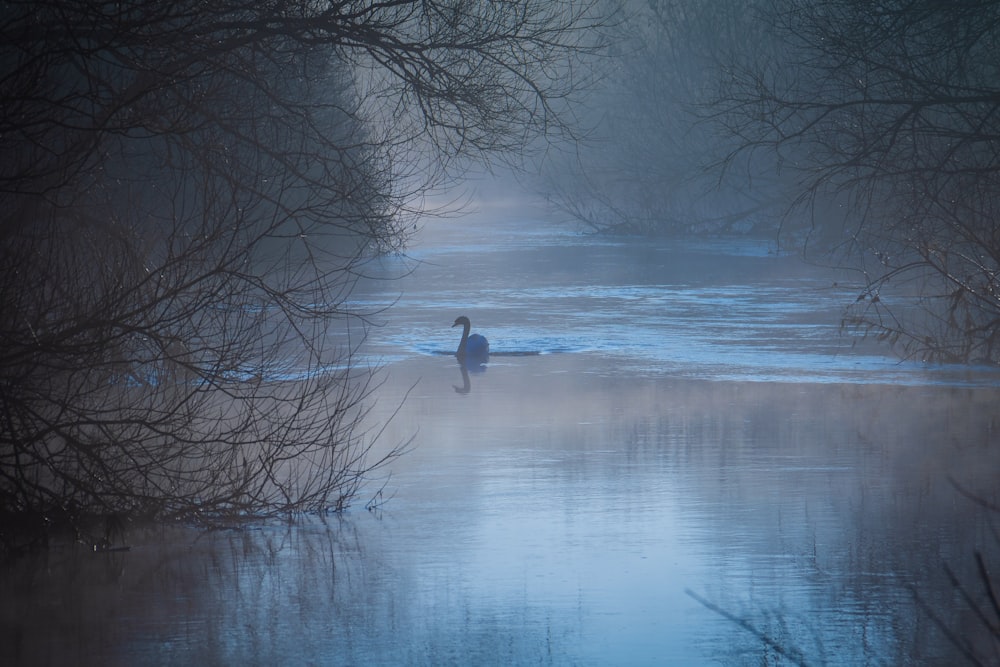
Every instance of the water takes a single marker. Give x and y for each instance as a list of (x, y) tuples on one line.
[(693, 446)]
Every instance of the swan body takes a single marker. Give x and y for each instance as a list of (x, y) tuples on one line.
[(475, 347)]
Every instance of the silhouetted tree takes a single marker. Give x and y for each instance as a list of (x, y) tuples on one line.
[(187, 195), (888, 115)]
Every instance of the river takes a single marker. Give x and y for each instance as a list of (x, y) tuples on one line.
[(673, 456)]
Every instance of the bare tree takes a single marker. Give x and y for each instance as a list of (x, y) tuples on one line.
[(189, 192), (888, 115), (645, 169)]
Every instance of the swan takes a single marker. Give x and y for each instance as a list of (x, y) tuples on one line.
[(474, 347)]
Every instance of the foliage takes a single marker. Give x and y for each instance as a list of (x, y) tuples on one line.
[(188, 195)]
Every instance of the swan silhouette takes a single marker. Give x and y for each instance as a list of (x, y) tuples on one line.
[(474, 348)]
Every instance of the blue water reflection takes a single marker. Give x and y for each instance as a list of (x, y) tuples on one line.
[(699, 310), (678, 431)]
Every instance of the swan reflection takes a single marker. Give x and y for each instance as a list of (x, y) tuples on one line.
[(466, 384)]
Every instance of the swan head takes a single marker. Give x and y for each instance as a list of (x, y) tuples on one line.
[(463, 320)]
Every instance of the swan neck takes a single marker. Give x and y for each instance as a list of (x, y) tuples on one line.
[(466, 327)]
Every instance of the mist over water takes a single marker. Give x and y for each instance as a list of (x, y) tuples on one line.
[(693, 420), (725, 310)]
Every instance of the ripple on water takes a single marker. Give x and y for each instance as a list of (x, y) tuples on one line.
[(714, 311)]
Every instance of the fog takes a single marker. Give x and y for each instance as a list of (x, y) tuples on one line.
[(676, 433), (737, 268)]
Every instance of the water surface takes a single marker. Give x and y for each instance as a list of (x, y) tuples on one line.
[(693, 421)]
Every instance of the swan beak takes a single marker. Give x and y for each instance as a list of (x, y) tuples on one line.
[(455, 324)]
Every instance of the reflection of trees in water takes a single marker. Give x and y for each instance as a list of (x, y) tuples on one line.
[(976, 632), (823, 506), (824, 503), (949, 614), (232, 593), (818, 509), (313, 591), (850, 487)]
